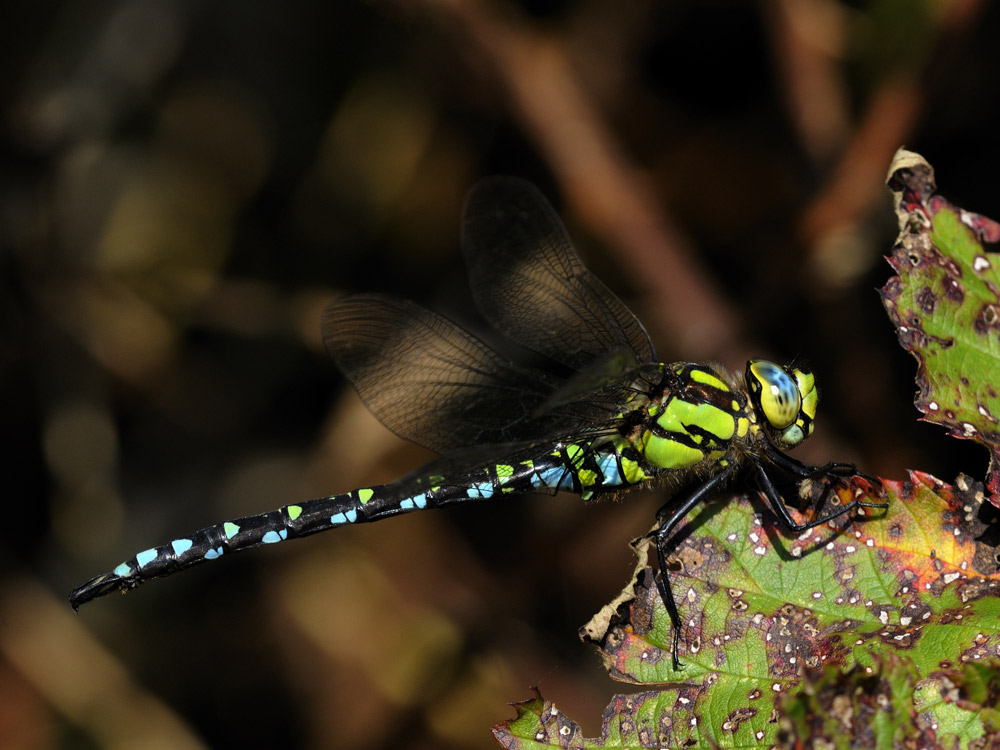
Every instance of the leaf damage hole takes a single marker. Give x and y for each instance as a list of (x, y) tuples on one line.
[(987, 319), (953, 289)]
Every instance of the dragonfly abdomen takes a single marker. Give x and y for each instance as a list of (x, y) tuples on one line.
[(572, 467), (580, 467), (213, 542)]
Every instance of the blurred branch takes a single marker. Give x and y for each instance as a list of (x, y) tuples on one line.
[(808, 39), (856, 180), (891, 116), (599, 179)]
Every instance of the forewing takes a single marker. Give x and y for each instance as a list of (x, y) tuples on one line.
[(531, 285), (429, 381)]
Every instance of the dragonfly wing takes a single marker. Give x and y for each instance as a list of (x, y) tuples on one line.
[(532, 286), (428, 380)]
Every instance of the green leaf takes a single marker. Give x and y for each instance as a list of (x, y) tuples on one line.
[(945, 304), (765, 616), (539, 724), (882, 631)]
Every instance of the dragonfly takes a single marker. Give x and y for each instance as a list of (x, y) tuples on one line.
[(606, 418)]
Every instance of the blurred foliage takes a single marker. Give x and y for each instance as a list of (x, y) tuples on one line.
[(185, 185)]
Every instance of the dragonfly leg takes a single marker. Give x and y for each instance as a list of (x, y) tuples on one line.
[(834, 469), (777, 503), (796, 468), (667, 523)]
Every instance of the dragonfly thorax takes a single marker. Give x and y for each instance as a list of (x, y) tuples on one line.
[(697, 418)]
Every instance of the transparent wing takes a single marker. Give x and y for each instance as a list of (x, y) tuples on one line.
[(431, 382), (531, 285)]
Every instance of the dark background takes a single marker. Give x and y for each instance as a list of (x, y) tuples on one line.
[(185, 185)]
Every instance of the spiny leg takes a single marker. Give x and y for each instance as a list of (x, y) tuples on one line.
[(777, 503), (836, 469), (663, 534)]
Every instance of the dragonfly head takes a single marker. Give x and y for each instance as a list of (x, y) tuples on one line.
[(785, 398)]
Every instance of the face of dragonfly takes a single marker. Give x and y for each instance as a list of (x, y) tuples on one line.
[(786, 398)]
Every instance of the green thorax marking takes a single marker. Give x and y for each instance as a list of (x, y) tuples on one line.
[(695, 420)]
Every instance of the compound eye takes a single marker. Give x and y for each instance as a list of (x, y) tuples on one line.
[(777, 393)]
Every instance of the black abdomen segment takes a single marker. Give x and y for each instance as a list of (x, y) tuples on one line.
[(556, 469), (213, 542)]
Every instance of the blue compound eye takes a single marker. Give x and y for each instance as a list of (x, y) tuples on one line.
[(776, 394)]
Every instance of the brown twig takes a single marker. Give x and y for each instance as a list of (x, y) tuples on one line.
[(607, 190)]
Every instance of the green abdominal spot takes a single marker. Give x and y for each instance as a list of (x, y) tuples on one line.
[(576, 454), (632, 471)]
